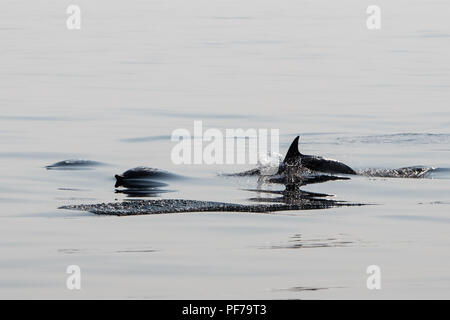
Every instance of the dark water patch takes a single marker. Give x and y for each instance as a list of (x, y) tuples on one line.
[(312, 134), (41, 118), (16, 200), (399, 138), (205, 115), (307, 289), (430, 35), (143, 207), (137, 251), (140, 62), (77, 251), (418, 218), (436, 202), (11, 28), (252, 42), (222, 43), (168, 138), (299, 242), (440, 149), (74, 164), (143, 192), (69, 251), (36, 155), (301, 289), (232, 18), (147, 139), (75, 199)]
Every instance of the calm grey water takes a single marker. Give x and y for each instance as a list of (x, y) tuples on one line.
[(116, 89)]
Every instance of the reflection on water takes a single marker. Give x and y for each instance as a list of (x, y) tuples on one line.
[(74, 164), (400, 138), (146, 139), (298, 241), (300, 289), (143, 192)]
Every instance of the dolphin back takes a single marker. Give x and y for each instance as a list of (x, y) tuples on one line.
[(325, 165), (314, 163)]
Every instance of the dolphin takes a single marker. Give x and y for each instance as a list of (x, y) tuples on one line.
[(314, 163), (74, 164), (297, 166), (144, 177), (295, 160)]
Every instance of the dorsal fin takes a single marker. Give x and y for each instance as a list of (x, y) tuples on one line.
[(293, 151)]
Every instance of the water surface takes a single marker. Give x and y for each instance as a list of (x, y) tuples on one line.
[(114, 91)]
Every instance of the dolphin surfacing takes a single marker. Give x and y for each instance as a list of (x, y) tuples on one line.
[(314, 163), (141, 177)]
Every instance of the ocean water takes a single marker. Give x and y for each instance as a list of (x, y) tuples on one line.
[(115, 90)]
